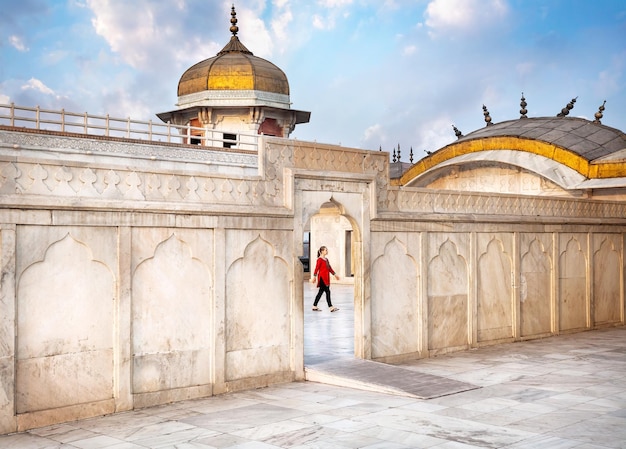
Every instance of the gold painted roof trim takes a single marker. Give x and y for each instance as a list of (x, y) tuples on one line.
[(598, 170)]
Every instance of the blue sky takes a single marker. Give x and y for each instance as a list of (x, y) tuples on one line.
[(373, 73)]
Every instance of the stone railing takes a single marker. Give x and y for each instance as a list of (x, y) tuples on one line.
[(107, 126)]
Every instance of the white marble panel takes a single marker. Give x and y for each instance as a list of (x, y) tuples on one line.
[(172, 311), (448, 288), (395, 323), (572, 291), (494, 277), (606, 278), (535, 284), (258, 298), (65, 322), (7, 328)]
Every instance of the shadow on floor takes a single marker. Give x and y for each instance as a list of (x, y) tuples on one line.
[(329, 353)]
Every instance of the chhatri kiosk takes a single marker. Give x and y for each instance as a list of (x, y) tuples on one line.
[(234, 92), (144, 264)]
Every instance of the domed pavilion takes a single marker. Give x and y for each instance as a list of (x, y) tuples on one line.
[(234, 92)]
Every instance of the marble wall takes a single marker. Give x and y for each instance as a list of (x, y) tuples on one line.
[(486, 288), (130, 285)]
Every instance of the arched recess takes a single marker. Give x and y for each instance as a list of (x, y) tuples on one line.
[(354, 206), (331, 228), (555, 173)]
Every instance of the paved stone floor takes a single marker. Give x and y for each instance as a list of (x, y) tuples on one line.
[(561, 392)]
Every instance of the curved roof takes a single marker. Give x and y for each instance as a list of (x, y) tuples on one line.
[(588, 139), (589, 148), (233, 68)]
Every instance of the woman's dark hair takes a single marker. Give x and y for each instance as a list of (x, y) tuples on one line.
[(319, 251)]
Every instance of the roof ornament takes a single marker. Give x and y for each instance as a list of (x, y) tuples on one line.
[(487, 116), (398, 152), (567, 108), (233, 20), (457, 133), (523, 105), (234, 45), (598, 115), (411, 155), (394, 155)]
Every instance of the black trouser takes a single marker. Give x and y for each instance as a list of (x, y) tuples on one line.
[(323, 288)]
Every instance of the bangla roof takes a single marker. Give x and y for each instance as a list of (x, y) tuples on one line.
[(588, 150), (588, 139)]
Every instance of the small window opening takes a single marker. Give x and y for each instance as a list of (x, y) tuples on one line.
[(230, 140)]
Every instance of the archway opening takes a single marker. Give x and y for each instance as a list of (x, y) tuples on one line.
[(329, 335)]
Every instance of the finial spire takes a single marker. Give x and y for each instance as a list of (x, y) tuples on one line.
[(457, 133), (234, 45), (233, 21), (567, 108), (411, 155), (487, 116), (523, 105), (598, 115)]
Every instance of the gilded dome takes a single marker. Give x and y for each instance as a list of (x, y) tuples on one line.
[(233, 68)]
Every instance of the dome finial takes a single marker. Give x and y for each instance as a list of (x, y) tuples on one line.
[(233, 21), (598, 115), (523, 111), (487, 116), (234, 45), (457, 132), (567, 108)]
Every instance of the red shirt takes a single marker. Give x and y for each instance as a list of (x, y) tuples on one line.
[(323, 270)]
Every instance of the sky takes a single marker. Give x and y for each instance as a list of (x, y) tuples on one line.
[(375, 74)]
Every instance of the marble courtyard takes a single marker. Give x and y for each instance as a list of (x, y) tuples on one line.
[(147, 263)]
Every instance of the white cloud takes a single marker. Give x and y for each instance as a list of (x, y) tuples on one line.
[(4, 99), (280, 25), (334, 3), (17, 43), (451, 15), (374, 133), (253, 33), (318, 22), (433, 134), (143, 32), (35, 84), (331, 11), (409, 49)]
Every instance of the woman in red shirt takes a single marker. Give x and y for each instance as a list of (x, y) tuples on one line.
[(322, 273)]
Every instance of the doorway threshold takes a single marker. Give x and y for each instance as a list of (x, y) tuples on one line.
[(380, 377)]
